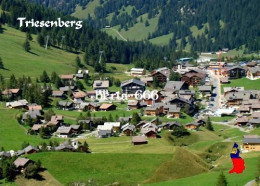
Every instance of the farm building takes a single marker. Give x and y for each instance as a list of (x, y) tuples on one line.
[(137, 71), (139, 140)]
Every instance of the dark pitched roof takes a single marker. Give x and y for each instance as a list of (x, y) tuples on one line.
[(173, 85), (29, 148), (251, 140), (135, 81), (65, 103)]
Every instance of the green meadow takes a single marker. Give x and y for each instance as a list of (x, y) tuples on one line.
[(243, 82), (19, 62), (12, 134)]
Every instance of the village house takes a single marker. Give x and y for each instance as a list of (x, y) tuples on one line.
[(175, 86), (169, 125), (17, 104), (188, 105), (67, 78), (79, 95), (139, 140), (30, 150), (253, 73), (205, 90), (251, 143), (93, 106), (4, 154), (235, 72), (256, 115), (11, 93), (91, 94), (57, 94), (34, 107), (22, 163), (66, 89), (64, 147), (235, 99), (132, 86), (133, 104), (183, 67), (224, 80), (101, 86), (155, 110), (242, 121), (36, 127), (192, 126), (56, 120), (140, 124), (32, 114), (256, 107), (183, 93), (149, 132), (80, 74), (137, 71), (193, 78), (147, 80), (128, 129), (64, 132), (76, 129), (228, 90), (115, 126), (65, 105), (254, 122), (215, 65), (150, 125), (104, 133), (251, 64), (244, 109), (107, 107), (148, 102), (172, 111), (162, 74)]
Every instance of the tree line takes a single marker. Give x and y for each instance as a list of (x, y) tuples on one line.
[(87, 40), (227, 24)]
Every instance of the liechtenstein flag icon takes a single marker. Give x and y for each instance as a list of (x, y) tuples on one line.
[(238, 162)]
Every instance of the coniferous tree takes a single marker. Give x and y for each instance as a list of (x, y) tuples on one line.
[(222, 181), (29, 36), (135, 118), (30, 171), (209, 124), (44, 77), (40, 39), (78, 62), (27, 46)]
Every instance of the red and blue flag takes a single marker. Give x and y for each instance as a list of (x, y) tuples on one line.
[(238, 162)]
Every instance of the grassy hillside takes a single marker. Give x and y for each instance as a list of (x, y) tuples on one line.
[(107, 168), (162, 40), (19, 62), (210, 178), (89, 9), (12, 135), (183, 164)]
